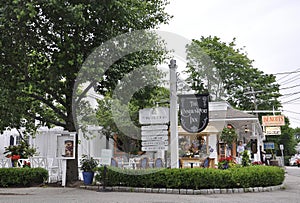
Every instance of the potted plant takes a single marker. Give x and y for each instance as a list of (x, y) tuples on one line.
[(88, 165)]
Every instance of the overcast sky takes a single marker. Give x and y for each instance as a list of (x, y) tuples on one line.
[(269, 30)]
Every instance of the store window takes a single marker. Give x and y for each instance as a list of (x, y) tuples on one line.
[(193, 146)]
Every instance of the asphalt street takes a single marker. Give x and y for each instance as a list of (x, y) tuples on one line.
[(289, 194)]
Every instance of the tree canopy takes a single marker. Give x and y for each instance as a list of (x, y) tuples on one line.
[(228, 68), (44, 44)]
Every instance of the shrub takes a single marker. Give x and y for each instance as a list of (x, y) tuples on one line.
[(259, 175), (246, 158), (195, 178), (18, 177)]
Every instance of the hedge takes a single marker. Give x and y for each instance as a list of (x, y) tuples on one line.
[(193, 178), (20, 177)]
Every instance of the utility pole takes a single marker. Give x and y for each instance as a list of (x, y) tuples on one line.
[(259, 141), (254, 98), (173, 116)]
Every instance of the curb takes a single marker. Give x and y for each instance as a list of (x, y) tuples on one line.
[(184, 191)]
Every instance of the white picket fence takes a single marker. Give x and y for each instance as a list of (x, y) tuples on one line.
[(45, 142)]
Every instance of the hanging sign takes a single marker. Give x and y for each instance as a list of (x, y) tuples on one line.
[(157, 115), (273, 120), (193, 112), (272, 130)]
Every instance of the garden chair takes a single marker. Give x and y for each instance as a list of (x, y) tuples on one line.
[(206, 163), (158, 163), (144, 163), (114, 162), (54, 170)]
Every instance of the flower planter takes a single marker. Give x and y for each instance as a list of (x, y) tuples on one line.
[(88, 177)]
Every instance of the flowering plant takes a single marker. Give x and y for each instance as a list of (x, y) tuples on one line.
[(23, 150), (26, 164), (14, 157), (257, 163), (226, 162)]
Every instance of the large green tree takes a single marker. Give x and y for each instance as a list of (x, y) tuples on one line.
[(227, 73), (43, 46)]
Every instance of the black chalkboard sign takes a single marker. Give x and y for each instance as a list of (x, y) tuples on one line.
[(193, 112)]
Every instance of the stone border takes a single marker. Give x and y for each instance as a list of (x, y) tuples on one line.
[(99, 188)]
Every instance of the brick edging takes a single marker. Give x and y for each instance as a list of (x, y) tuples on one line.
[(185, 191)]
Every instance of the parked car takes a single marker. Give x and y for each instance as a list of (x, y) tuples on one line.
[(293, 161)]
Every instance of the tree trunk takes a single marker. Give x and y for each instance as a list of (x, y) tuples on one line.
[(72, 164)]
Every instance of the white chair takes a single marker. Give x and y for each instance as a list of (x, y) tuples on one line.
[(54, 170), (5, 163), (114, 162), (144, 163), (158, 163)]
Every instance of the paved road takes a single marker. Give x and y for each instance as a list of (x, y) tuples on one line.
[(291, 194)]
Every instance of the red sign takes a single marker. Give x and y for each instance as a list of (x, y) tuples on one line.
[(273, 120)]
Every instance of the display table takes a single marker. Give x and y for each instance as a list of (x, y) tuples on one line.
[(186, 162)]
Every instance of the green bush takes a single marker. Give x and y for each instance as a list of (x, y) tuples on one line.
[(18, 177), (195, 178), (258, 175)]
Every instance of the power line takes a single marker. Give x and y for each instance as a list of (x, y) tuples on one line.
[(283, 73), (284, 88), (296, 77), (293, 103), (296, 120), (289, 94), (288, 73), (291, 111), (291, 100)]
